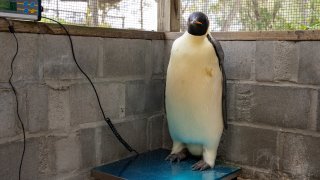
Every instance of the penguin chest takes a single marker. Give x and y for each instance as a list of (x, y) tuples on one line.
[(193, 96)]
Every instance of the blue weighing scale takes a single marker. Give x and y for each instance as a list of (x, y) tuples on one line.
[(152, 166), (21, 9)]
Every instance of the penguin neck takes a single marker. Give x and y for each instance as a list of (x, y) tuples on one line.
[(194, 38)]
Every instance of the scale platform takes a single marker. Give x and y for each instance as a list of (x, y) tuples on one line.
[(152, 166)]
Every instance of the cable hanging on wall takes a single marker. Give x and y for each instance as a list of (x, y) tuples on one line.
[(107, 119), (11, 29)]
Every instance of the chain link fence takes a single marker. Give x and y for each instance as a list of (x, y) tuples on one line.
[(255, 15), (123, 14)]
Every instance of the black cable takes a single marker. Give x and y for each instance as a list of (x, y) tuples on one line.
[(107, 119), (11, 29)]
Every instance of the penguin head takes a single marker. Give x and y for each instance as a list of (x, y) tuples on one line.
[(198, 24)]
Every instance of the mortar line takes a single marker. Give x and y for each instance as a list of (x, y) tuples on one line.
[(149, 134), (275, 84), (98, 142), (279, 150), (100, 58), (312, 121), (74, 129), (253, 65)]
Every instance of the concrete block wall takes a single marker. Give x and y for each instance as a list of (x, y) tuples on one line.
[(66, 134), (273, 107)]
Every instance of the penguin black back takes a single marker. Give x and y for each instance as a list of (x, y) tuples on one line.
[(198, 24), (218, 48)]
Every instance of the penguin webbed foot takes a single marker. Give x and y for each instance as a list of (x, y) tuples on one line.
[(177, 157), (200, 166)]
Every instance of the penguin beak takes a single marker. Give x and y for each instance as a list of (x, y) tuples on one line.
[(196, 22)]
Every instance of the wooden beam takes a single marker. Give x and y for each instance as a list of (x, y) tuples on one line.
[(311, 35), (175, 16), (48, 28), (168, 15), (163, 15)]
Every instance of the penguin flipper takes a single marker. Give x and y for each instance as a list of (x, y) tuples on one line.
[(218, 48)]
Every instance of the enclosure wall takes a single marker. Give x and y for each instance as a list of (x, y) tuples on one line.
[(66, 134), (273, 108), (273, 104)]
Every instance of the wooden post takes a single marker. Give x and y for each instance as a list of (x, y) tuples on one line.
[(169, 15)]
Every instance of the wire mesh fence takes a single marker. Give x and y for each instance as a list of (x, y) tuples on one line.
[(123, 14), (224, 15), (255, 15)]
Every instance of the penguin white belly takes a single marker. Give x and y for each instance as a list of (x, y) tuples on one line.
[(194, 95)]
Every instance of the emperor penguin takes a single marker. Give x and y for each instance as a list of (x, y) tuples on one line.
[(195, 94)]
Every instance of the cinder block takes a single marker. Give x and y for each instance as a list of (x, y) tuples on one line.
[(282, 106), (88, 52), (125, 57), (112, 98), (300, 155), (155, 96), (32, 159), (277, 61), (244, 102), (158, 56), (134, 132), (26, 64), (88, 148), (286, 61), (55, 53), (309, 66), (37, 108), (155, 125), (166, 139), (264, 66), (10, 156), (273, 105), (144, 97), (251, 146), (84, 106), (239, 57), (8, 126), (47, 156), (58, 109), (7, 50), (68, 154), (135, 97)]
